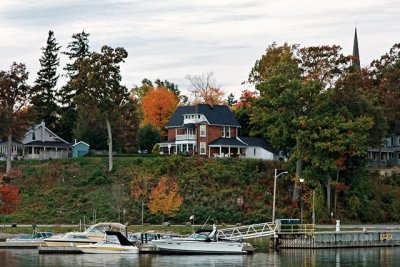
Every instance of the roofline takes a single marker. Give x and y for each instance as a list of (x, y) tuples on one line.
[(34, 128), (82, 143), (236, 126)]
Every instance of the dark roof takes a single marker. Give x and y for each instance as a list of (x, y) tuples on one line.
[(260, 142), (47, 144), (227, 142), (216, 115)]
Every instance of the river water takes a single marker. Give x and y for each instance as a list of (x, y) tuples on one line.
[(324, 257)]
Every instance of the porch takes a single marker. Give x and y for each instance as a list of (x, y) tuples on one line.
[(227, 148)]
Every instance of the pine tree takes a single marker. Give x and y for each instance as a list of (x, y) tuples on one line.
[(44, 100), (78, 50)]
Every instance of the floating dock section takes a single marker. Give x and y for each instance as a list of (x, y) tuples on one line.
[(315, 240)]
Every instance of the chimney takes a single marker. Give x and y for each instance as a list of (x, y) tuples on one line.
[(43, 130)]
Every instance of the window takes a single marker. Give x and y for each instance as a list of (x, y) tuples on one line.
[(223, 132), (202, 148), (255, 150), (203, 132), (33, 136), (228, 132)]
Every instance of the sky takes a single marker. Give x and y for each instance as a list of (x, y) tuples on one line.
[(170, 39)]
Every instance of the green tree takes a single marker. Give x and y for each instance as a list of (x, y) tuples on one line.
[(44, 99), (78, 50), (230, 101), (147, 137), (384, 77), (296, 112), (104, 93), (14, 97)]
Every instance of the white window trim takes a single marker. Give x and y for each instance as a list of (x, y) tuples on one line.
[(227, 132), (201, 147), (205, 130)]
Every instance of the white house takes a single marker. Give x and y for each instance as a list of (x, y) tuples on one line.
[(41, 143), (258, 148)]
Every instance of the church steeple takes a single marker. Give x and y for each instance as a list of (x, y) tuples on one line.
[(356, 55)]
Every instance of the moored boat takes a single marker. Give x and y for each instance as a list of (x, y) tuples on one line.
[(113, 243), (92, 235), (202, 242), (34, 237)]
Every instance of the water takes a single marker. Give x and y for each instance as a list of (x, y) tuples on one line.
[(325, 257)]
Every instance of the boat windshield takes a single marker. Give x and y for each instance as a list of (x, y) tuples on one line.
[(201, 236)]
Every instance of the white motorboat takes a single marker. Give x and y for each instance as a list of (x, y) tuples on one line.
[(202, 242), (92, 235), (34, 237), (113, 243)]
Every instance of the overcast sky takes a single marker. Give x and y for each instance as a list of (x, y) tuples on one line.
[(169, 39)]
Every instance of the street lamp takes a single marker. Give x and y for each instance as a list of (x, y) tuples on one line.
[(301, 199), (273, 201)]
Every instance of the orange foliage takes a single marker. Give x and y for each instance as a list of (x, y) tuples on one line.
[(158, 106), (246, 99), (165, 198), (9, 198)]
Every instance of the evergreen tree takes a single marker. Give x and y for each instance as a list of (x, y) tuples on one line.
[(231, 100), (78, 51), (44, 100)]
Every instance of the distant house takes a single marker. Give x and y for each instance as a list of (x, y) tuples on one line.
[(41, 143), (80, 149), (16, 149), (386, 156), (211, 131)]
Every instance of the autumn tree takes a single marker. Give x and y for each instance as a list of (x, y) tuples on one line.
[(138, 92), (158, 106), (165, 198), (205, 89), (140, 186), (242, 110), (44, 99), (14, 97), (103, 93), (9, 198)]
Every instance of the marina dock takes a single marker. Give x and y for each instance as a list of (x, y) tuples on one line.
[(315, 240)]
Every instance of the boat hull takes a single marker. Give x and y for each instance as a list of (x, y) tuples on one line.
[(68, 243), (198, 247), (108, 249)]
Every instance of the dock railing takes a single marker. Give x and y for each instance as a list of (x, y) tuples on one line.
[(296, 229)]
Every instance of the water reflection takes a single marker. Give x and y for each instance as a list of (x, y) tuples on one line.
[(322, 257)]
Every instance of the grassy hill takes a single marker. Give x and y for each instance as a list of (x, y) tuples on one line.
[(64, 191)]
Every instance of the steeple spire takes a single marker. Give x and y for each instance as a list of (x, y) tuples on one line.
[(356, 55)]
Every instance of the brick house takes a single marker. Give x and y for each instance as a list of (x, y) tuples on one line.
[(211, 131)]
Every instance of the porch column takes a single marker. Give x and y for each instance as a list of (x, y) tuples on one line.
[(169, 149), (220, 151), (229, 151)]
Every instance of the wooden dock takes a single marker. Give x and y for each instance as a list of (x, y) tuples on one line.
[(21, 245), (317, 240)]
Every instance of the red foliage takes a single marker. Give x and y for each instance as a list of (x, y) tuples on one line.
[(341, 187), (9, 198), (246, 99)]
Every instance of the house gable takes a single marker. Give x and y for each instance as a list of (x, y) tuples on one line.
[(42, 134)]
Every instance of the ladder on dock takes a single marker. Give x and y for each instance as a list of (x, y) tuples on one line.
[(247, 231)]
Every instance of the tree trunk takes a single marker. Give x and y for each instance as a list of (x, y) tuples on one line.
[(328, 196), (299, 169), (335, 200), (9, 146), (110, 150)]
